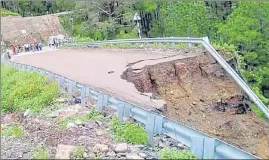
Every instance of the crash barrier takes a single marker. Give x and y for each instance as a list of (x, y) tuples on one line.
[(201, 144)]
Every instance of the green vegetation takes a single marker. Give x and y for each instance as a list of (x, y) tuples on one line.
[(168, 153), (5, 13), (13, 131), (93, 115), (23, 90), (83, 39), (40, 152), (78, 152), (129, 132)]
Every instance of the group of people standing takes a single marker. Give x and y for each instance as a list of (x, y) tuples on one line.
[(26, 48), (56, 41)]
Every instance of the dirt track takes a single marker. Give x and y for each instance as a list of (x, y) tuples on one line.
[(91, 66)]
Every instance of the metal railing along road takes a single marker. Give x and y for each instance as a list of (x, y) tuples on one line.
[(201, 144)]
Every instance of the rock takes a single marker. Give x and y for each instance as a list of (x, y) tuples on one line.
[(100, 132), (100, 148), (111, 154), (12, 117), (98, 123), (121, 148), (142, 155), (78, 122), (85, 155), (194, 102), (53, 114), (70, 125), (140, 146), (162, 106), (134, 149), (89, 125), (69, 111), (133, 156), (181, 146), (161, 144), (91, 155), (62, 100), (26, 113), (64, 151)]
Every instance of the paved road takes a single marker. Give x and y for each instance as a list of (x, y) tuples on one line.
[(91, 66)]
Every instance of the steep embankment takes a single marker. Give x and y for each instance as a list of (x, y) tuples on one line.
[(200, 94), (19, 30)]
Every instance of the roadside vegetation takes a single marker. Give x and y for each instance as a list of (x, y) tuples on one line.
[(41, 152), (21, 90), (168, 153), (77, 119), (128, 131), (13, 131), (5, 13)]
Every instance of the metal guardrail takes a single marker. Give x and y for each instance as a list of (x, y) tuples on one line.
[(212, 53), (204, 146)]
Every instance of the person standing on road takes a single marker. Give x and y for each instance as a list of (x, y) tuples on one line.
[(40, 46)]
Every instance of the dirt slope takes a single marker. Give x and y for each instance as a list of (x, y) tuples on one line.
[(20, 30), (200, 94)]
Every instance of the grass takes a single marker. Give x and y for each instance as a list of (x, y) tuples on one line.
[(168, 153), (13, 131), (93, 115), (129, 132), (78, 152), (40, 153), (5, 13), (23, 90), (83, 39)]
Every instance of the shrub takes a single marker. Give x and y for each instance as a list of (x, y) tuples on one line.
[(129, 132), (93, 115), (23, 90), (40, 153), (14, 131), (5, 13), (78, 152), (168, 153)]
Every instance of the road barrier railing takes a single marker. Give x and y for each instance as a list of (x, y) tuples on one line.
[(201, 144)]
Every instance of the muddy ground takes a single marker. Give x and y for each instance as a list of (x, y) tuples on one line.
[(200, 94)]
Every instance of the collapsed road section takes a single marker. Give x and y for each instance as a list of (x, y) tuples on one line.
[(202, 95)]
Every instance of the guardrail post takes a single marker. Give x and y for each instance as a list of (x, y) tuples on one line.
[(83, 95), (87, 91), (105, 100), (158, 124), (71, 86), (209, 148), (60, 81), (197, 146), (150, 126), (127, 110), (120, 111), (100, 99)]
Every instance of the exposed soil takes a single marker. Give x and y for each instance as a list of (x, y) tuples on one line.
[(202, 95)]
